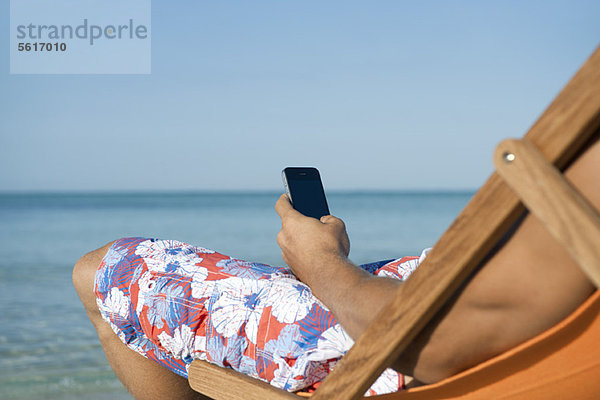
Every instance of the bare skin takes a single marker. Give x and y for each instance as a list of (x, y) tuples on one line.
[(528, 286)]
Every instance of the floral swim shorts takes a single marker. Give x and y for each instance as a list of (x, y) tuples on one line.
[(173, 303)]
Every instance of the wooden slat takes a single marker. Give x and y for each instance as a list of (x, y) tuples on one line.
[(563, 128), (565, 213), (226, 384)]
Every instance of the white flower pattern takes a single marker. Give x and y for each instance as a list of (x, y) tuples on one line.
[(116, 302), (181, 344), (240, 304), (173, 256), (290, 300), (333, 343)]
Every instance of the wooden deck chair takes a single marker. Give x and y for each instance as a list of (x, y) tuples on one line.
[(566, 358)]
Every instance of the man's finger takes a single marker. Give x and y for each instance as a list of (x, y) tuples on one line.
[(330, 219), (283, 206), (327, 218)]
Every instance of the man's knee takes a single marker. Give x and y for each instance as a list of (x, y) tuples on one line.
[(84, 273)]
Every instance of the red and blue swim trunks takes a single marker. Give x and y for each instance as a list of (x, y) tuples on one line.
[(173, 303)]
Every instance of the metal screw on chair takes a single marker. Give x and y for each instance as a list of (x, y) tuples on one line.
[(508, 157)]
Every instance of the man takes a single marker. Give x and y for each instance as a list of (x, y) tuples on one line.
[(528, 285)]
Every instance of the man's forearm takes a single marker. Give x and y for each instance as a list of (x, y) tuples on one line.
[(353, 295)]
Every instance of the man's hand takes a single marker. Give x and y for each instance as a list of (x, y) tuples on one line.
[(317, 252), (307, 244)]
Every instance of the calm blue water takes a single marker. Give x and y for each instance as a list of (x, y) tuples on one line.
[(48, 348)]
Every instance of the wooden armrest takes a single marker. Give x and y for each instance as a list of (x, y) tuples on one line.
[(227, 384)]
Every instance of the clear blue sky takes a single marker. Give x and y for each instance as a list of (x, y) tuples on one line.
[(377, 94)]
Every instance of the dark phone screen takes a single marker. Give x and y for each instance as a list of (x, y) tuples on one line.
[(307, 194)]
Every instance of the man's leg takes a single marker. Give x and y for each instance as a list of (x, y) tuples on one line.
[(143, 378)]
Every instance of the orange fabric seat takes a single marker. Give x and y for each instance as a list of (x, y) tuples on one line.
[(561, 363)]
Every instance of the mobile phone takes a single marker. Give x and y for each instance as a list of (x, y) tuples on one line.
[(305, 190)]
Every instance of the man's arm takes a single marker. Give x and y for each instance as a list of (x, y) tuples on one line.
[(317, 251), (528, 286)]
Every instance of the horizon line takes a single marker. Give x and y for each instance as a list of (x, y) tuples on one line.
[(225, 191)]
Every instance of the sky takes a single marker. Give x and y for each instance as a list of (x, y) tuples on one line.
[(379, 95)]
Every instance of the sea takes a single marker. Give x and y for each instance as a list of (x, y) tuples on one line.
[(49, 349)]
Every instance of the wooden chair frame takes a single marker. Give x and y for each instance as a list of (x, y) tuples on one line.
[(527, 171)]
